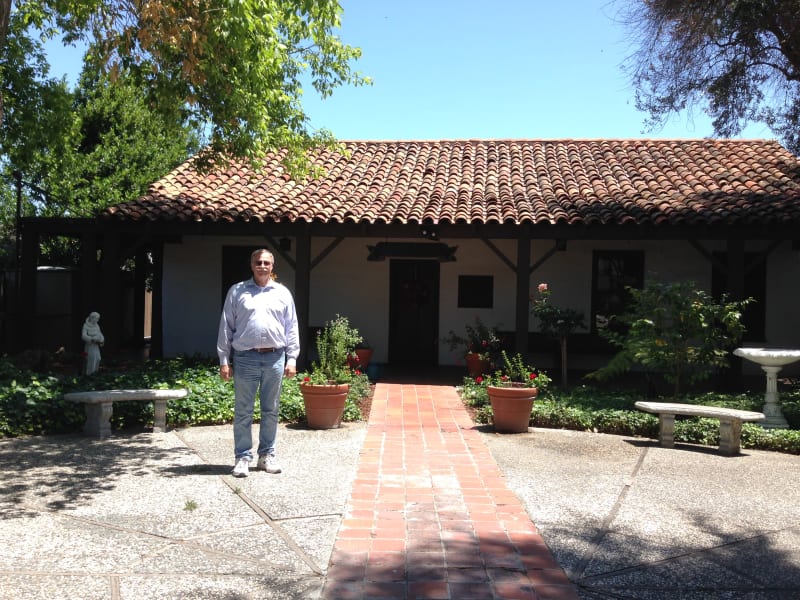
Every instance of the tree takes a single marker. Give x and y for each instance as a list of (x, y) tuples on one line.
[(37, 112), (556, 322), (104, 148), (739, 60), (677, 330), (238, 67), (116, 147)]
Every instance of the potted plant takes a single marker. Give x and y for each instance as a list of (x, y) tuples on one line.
[(511, 391), (363, 354), (325, 386), (480, 346)]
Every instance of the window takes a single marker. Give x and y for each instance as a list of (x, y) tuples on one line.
[(612, 272), (475, 291)]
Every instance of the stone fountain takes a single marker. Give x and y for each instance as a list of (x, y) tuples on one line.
[(771, 361)]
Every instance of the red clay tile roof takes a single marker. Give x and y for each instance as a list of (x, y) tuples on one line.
[(576, 182)]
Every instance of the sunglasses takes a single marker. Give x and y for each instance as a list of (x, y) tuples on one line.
[(262, 262)]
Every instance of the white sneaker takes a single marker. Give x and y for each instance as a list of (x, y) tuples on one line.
[(242, 467), (269, 463)]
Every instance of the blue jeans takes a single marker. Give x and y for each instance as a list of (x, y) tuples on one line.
[(263, 374)]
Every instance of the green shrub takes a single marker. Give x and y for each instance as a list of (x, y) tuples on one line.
[(359, 389), (588, 409), (790, 405), (778, 440), (32, 403), (291, 409), (674, 329), (474, 393)]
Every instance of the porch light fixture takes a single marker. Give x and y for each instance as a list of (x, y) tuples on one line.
[(384, 250)]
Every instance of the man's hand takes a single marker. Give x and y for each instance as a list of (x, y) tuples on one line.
[(289, 371), (225, 372)]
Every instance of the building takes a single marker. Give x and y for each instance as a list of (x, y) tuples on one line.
[(411, 239)]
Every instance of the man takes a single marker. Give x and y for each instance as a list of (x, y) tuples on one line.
[(258, 331)]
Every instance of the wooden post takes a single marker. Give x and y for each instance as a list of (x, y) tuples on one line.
[(111, 293), (25, 327), (302, 290), (157, 322), (522, 295)]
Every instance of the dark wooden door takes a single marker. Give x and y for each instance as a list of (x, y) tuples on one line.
[(413, 312)]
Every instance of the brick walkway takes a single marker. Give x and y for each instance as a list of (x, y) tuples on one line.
[(430, 516)]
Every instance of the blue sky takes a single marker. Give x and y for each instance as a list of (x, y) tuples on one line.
[(483, 69)]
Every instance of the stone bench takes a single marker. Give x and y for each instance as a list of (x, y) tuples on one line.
[(99, 406), (730, 422)]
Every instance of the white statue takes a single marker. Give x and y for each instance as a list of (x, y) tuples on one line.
[(93, 337)]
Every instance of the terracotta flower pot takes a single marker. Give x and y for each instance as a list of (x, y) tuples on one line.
[(511, 407), (364, 356), (476, 365), (324, 404)]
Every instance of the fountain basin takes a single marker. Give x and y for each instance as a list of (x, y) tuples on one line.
[(771, 361), (769, 357)]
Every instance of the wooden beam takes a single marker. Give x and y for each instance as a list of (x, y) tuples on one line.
[(762, 256), (523, 293), (735, 269), (139, 287), (499, 253), (88, 291), (709, 256), (110, 285), (157, 315), (302, 292), (287, 258), (25, 309), (328, 249), (557, 247)]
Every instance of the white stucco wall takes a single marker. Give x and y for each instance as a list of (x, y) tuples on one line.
[(475, 258), (344, 282), (192, 299)]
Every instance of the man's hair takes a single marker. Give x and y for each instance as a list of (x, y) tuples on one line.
[(260, 251)]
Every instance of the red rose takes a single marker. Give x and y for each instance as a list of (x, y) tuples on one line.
[(532, 376), (478, 379), (306, 379)]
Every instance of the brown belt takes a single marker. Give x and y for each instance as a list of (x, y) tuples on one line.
[(263, 350)]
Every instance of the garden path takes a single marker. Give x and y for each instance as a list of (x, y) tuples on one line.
[(430, 515)]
